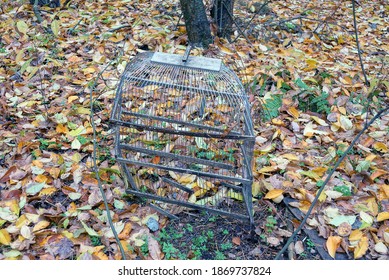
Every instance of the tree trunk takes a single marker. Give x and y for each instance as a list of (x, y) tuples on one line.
[(222, 12), (196, 22)]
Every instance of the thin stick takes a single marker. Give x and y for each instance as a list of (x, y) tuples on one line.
[(358, 47)]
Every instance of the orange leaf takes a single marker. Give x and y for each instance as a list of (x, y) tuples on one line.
[(274, 193), (156, 159), (333, 243), (377, 173), (361, 248)]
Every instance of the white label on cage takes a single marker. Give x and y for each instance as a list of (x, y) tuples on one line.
[(197, 62)]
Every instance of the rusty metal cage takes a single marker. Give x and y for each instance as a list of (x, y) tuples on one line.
[(184, 134)]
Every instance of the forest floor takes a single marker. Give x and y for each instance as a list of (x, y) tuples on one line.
[(299, 62)]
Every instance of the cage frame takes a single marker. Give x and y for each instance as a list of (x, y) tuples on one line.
[(247, 138)]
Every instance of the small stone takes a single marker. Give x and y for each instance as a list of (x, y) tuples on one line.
[(152, 224)]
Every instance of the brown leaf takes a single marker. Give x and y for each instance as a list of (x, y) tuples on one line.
[(154, 250), (7, 174), (299, 247), (236, 240)]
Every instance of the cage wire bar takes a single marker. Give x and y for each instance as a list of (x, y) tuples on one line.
[(184, 134)]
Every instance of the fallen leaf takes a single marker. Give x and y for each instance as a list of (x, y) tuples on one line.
[(22, 26), (361, 248), (382, 216), (273, 193), (381, 248), (366, 217), (299, 247), (332, 244), (236, 240), (154, 248), (41, 225), (5, 238)]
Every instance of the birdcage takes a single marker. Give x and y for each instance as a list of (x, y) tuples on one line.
[(184, 134)]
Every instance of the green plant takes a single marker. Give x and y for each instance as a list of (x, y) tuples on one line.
[(210, 234), (270, 223), (219, 255), (226, 246), (225, 231), (169, 250), (145, 247), (345, 190), (189, 227), (95, 240), (271, 107), (310, 244), (212, 218), (312, 98)]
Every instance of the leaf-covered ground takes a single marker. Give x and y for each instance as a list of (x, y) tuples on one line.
[(309, 100)]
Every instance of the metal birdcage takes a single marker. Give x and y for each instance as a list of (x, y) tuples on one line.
[(184, 134)]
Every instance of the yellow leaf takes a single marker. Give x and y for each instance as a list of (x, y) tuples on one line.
[(340, 40), (319, 121), (235, 195), (256, 188), (385, 189), (83, 111), (382, 216), (274, 193), (22, 26), (72, 98), (19, 56), (41, 225), (371, 157), (5, 238), (186, 179), (293, 112), (291, 157), (268, 169), (312, 63), (22, 221), (226, 50), (361, 248), (47, 191), (55, 27), (380, 147), (333, 243)]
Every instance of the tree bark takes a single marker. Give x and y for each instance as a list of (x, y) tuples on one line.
[(222, 12), (196, 22)]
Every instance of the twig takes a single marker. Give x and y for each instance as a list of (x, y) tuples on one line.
[(71, 31), (95, 145), (252, 18), (37, 13), (366, 126), (95, 169), (358, 47), (236, 24)]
